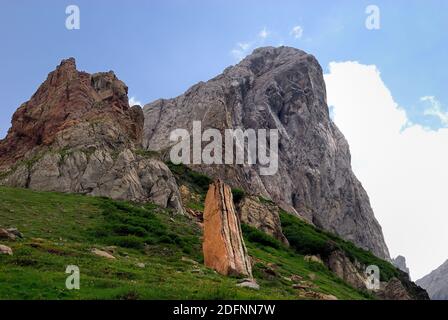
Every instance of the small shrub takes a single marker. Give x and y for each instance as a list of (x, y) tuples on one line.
[(199, 179), (238, 195), (258, 237)]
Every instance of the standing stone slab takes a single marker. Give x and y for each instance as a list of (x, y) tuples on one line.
[(224, 248)]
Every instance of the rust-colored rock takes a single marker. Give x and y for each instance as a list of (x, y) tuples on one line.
[(78, 134), (65, 101), (224, 248)]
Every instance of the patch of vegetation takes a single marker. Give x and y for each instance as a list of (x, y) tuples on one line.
[(4, 174), (88, 152), (98, 104), (61, 230), (265, 201), (29, 163), (64, 152), (134, 226), (198, 206), (307, 239), (147, 153), (238, 195), (258, 237), (198, 181)]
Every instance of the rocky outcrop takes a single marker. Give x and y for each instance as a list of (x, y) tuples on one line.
[(344, 268), (354, 273), (77, 133), (393, 290), (223, 244), (278, 88), (261, 215), (400, 263), (103, 254), (5, 250), (436, 283), (10, 234)]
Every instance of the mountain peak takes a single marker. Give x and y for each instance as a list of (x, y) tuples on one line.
[(69, 62), (278, 88), (69, 98)]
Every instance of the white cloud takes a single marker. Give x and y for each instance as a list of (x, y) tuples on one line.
[(403, 166), (264, 33), (297, 32), (133, 101), (435, 109), (241, 50)]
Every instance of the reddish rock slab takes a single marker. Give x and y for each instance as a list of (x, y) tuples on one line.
[(223, 246)]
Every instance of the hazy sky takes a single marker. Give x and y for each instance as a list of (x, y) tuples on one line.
[(391, 104)]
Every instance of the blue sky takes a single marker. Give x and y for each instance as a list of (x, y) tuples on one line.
[(160, 48)]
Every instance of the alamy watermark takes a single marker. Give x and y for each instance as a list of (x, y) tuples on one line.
[(373, 20), (73, 280), (261, 147), (373, 278), (73, 21)]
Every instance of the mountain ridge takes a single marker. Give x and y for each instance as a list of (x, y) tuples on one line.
[(436, 282), (278, 88)]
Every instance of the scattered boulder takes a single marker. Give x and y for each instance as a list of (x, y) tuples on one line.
[(103, 254), (312, 276), (319, 296), (185, 259), (296, 278), (249, 283), (223, 244), (111, 249), (315, 259), (6, 235), (10, 234), (5, 250), (301, 286), (141, 265), (15, 232), (196, 271)]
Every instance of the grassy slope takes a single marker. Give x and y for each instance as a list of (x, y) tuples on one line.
[(307, 239), (61, 229)]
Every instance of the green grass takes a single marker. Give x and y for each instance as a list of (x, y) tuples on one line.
[(254, 235), (238, 195), (61, 230), (198, 181), (306, 239), (147, 153)]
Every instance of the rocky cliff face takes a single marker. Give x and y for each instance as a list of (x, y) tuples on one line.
[(77, 133), (224, 248), (436, 283), (278, 88)]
